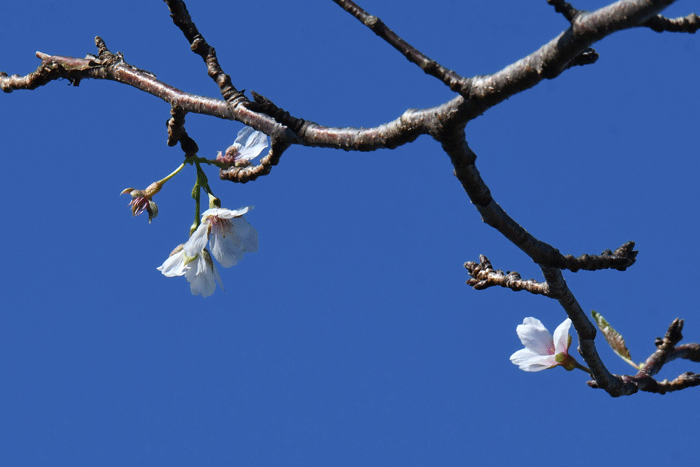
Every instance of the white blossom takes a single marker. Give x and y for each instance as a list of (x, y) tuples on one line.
[(202, 275), (248, 145), (231, 237), (541, 351), (199, 270)]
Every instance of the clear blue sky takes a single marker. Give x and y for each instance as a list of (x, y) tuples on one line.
[(350, 337)]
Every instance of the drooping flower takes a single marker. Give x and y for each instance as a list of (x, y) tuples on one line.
[(199, 270), (202, 275), (175, 265), (141, 201), (231, 235), (248, 145), (541, 352)]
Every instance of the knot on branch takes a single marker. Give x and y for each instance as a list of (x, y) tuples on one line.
[(569, 12), (102, 49), (264, 105), (673, 336), (199, 45), (620, 259), (107, 59), (588, 57), (484, 276), (177, 132)]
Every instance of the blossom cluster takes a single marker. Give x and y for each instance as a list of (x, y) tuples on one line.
[(226, 231), (229, 235)]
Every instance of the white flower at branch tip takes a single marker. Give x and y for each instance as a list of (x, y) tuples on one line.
[(248, 145), (199, 270), (541, 351)]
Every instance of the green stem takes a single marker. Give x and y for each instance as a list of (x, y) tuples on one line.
[(582, 368), (172, 174)]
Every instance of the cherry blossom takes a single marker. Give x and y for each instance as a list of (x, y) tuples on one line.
[(248, 145), (231, 237), (199, 270), (541, 351)]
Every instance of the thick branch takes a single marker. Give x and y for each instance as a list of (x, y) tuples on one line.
[(553, 58), (613, 384), (483, 91)]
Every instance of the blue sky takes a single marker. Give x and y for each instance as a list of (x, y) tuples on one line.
[(350, 337)]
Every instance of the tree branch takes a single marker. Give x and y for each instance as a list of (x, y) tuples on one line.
[(445, 123), (178, 134), (413, 55), (666, 352), (569, 12), (689, 24), (484, 276), (181, 18)]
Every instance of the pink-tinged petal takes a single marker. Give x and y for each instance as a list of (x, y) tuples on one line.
[(175, 264), (535, 336), (231, 239), (540, 352), (561, 337), (223, 213), (223, 244), (198, 240)]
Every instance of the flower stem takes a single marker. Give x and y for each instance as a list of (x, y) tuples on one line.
[(175, 172), (582, 368)]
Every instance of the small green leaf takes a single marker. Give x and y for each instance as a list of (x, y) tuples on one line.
[(614, 338)]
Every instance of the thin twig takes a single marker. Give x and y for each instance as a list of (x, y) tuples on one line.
[(182, 19), (428, 65), (667, 350), (484, 276), (689, 24), (560, 6)]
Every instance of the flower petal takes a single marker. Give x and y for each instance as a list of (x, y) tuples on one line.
[(203, 275), (232, 238), (535, 337), (223, 213), (248, 236), (252, 143), (561, 337), (175, 264), (530, 361), (198, 240)]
